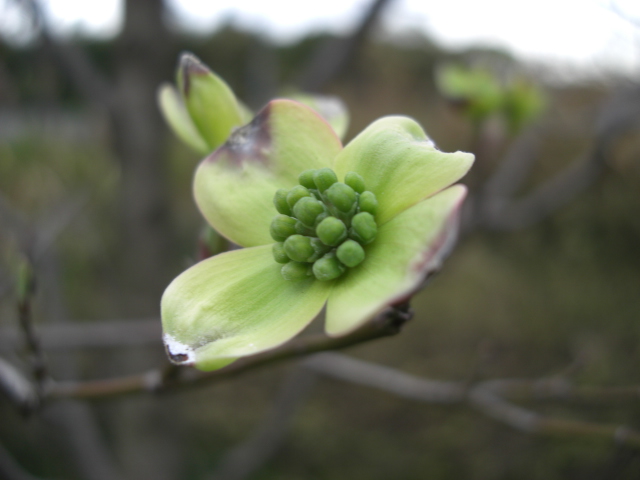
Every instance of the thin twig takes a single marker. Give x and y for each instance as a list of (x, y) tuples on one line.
[(17, 388), (119, 333), (485, 397), (387, 324), (73, 61), (25, 319), (115, 333), (496, 209), (333, 56)]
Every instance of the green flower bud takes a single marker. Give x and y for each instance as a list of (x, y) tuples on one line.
[(295, 194), (355, 181), (331, 231), (328, 267), (280, 202), (363, 228), (319, 249), (342, 196), (321, 217), (279, 255), (302, 229), (324, 178), (326, 225), (368, 203), (315, 194), (350, 253), (294, 271), (307, 210), (282, 227), (298, 248), (306, 179)]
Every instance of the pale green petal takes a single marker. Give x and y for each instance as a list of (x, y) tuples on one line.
[(234, 305), (176, 115), (407, 248), (400, 164), (209, 100), (234, 186)]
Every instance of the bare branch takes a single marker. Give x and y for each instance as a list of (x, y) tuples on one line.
[(32, 342), (548, 197), (387, 324), (387, 379), (333, 56), (495, 207), (116, 333), (92, 84), (17, 388), (484, 396)]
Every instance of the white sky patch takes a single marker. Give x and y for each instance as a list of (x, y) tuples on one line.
[(583, 33), (282, 20), (586, 32)]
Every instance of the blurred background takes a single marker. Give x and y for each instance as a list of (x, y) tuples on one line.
[(95, 200)]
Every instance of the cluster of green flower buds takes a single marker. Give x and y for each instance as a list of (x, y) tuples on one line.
[(323, 225)]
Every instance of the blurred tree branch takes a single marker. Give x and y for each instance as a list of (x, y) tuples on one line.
[(90, 82), (494, 206), (333, 57), (387, 324)]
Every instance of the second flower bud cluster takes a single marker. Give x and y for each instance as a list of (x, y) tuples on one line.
[(323, 225)]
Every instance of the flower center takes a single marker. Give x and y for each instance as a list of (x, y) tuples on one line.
[(323, 225)]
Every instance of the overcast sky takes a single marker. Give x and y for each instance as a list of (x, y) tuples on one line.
[(582, 33)]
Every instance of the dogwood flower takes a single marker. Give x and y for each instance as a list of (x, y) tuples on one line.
[(356, 229)]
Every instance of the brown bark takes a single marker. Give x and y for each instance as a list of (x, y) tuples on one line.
[(144, 60)]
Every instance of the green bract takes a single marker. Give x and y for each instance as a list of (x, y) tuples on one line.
[(203, 110), (360, 254)]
